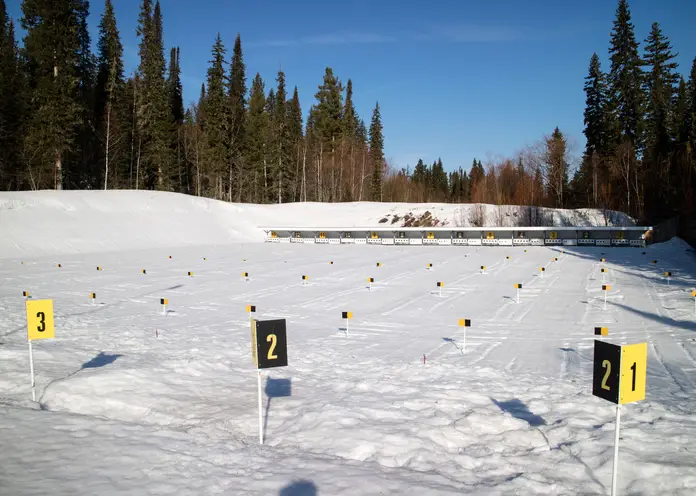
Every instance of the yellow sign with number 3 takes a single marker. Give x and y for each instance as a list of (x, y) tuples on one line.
[(40, 320)]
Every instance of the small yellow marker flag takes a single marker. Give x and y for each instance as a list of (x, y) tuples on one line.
[(346, 315), (190, 274), (143, 271), (251, 308), (601, 331), (93, 295), (606, 287), (25, 294), (164, 301), (518, 286), (693, 293), (440, 284), (99, 268), (464, 322), (370, 279)]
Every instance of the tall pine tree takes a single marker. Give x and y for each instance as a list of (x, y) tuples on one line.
[(52, 53), (626, 104), (659, 83), (377, 154), (216, 121), (111, 117), (154, 120), (237, 116), (256, 133), (11, 99)]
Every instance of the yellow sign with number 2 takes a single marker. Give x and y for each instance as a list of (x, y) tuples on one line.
[(40, 319)]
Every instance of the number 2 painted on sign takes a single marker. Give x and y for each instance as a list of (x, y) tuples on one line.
[(607, 365), (273, 339), (42, 325)]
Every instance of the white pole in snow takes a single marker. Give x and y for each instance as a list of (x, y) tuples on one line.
[(518, 296), (605, 299), (347, 320), (31, 370), (260, 410), (464, 340), (615, 470)]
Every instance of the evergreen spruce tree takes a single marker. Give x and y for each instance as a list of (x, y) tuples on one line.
[(216, 121), (350, 117), (237, 115), (295, 140), (377, 154), (176, 114), (153, 112), (625, 77), (281, 147), (256, 132), (110, 96), (11, 100), (52, 53), (659, 83), (85, 172), (593, 170)]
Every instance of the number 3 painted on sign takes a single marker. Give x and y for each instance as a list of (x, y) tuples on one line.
[(607, 365), (42, 325), (273, 339)]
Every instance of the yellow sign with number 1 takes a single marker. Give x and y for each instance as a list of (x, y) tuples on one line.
[(633, 370), (40, 320)]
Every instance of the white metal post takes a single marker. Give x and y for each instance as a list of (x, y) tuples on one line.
[(464, 340), (260, 410), (605, 299), (31, 370), (518, 296), (615, 469)]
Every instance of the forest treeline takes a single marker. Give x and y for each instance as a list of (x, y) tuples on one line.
[(73, 119)]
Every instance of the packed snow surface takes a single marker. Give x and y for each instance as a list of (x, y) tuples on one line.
[(133, 401)]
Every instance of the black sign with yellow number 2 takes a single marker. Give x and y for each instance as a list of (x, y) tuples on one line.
[(269, 343)]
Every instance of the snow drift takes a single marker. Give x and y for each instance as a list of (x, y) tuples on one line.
[(42, 223)]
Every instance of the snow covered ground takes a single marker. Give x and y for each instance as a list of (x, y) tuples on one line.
[(131, 401), (39, 223)]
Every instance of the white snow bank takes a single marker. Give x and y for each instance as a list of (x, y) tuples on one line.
[(41, 223)]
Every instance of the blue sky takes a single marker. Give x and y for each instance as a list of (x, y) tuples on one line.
[(455, 79)]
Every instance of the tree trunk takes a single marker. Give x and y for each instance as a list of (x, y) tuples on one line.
[(58, 177), (108, 140), (137, 165), (304, 172)]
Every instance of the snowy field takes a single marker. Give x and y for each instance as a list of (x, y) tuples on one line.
[(130, 401)]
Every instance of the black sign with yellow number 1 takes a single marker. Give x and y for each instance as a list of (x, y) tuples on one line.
[(619, 372), (269, 343)]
